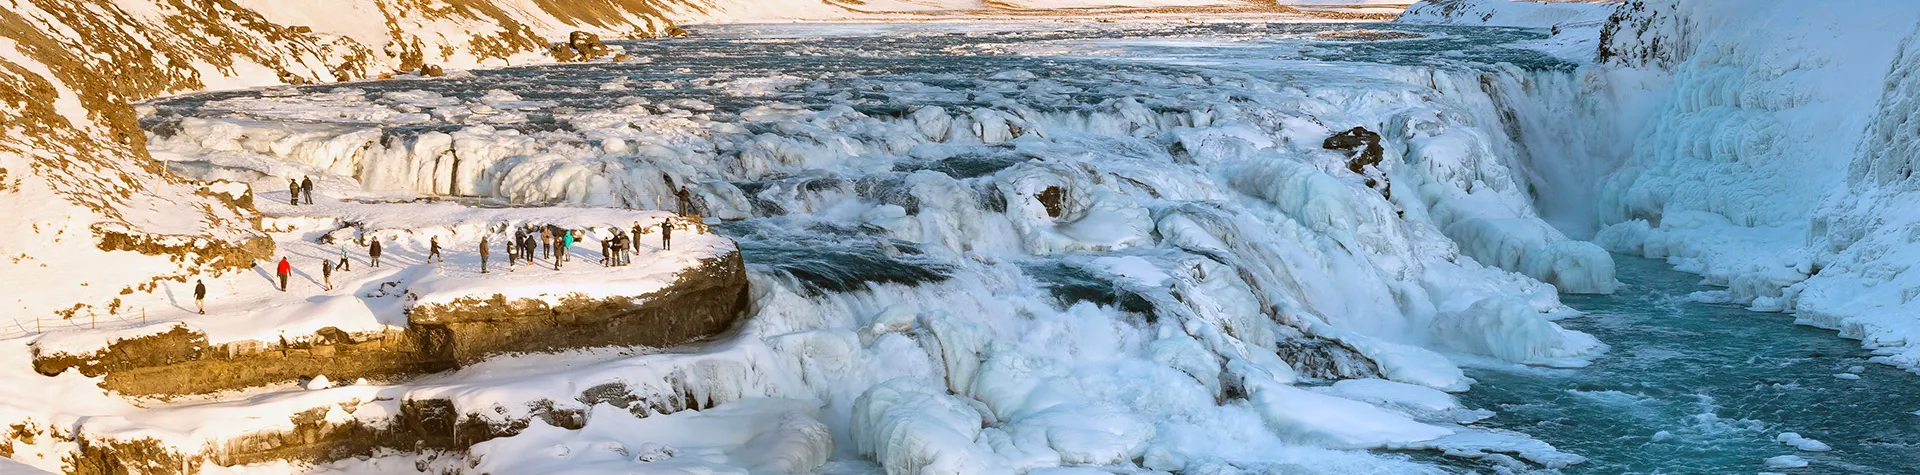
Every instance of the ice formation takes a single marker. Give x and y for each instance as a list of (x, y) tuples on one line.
[(993, 266), (1771, 158)]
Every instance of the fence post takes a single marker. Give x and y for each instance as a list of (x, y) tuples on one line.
[(143, 315), (90, 319)]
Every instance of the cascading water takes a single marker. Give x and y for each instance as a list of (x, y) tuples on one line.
[(1007, 250)]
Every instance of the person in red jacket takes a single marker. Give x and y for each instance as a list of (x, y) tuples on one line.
[(285, 270)]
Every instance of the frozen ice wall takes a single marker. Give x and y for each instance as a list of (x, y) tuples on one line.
[(987, 263), (1765, 145)]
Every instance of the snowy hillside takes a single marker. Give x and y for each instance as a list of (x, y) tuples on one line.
[(77, 183)]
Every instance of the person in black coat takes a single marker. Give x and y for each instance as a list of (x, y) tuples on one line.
[(306, 188), (513, 252), (606, 252), (293, 192), (666, 235), (200, 295), (433, 250)]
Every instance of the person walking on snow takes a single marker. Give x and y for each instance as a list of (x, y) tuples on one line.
[(285, 269), (666, 235), (606, 252), (306, 188), (433, 250), (566, 244), (513, 252), (293, 192), (326, 274), (483, 254), (343, 259), (200, 296), (556, 250), (373, 251)]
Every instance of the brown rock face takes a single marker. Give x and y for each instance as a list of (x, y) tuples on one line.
[(432, 70), (580, 46), (1357, 138), (1369, 154), (704, 302)]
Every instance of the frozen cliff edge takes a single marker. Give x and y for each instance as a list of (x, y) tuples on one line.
[(1776, 157), (1779, 164)]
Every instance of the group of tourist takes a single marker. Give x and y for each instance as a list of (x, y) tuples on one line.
[(553, 243), (299, 189)]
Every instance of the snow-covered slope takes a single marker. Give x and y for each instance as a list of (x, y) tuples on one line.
[(81, 194)]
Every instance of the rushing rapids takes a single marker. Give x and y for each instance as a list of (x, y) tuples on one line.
[(1016, 247)]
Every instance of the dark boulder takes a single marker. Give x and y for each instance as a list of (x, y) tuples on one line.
[(580, 46), (1365, 145), (1357, 138)]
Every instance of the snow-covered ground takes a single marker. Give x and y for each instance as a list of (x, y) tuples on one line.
[(368, 300)]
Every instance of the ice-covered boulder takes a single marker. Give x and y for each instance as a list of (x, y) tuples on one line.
[(1531, 247), (1512, 330), (1335, 422), (912, 428)]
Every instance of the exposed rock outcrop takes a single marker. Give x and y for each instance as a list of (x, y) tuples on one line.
[(433, 425), (580, 46), (1367, 155), (705, 301)]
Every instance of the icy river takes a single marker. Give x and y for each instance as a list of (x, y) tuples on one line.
[(1698, 388), (1024, 246)]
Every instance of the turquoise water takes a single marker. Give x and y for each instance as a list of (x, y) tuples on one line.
[(1696, 388)]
